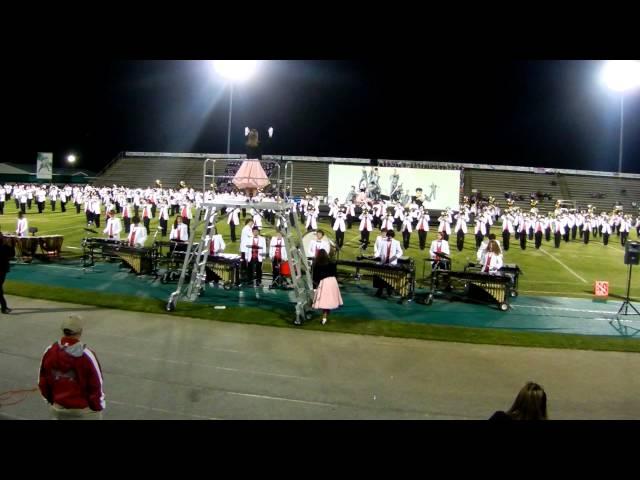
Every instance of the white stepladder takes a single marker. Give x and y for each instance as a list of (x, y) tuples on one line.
[(193, 275)]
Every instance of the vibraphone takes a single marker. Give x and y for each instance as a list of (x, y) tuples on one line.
[(510, 269), (142, 260), (400, 277), (482, 287)]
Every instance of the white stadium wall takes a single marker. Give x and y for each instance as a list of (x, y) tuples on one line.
[(441, 188)]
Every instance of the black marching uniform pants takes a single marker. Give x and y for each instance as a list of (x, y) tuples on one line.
[(364, 238), (566, 234), (255, 265), (1, 208), (605, 239), (163, 226), (232, 228), (3, 302), (40, 207), (29, 203), (506, 236), (538, 239), (127, 224), (547, 234), (479, 238), (146, 222), (531, 234), (339, 238), (53, 205), (574, 231), (96, 219), (523, 241), (585, 236), (23, 207), (422, 236), (77, 208), (460, 240), (623, 237), (406, 238), (556, 239), (63, 206)]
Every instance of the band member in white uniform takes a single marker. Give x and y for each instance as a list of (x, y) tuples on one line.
[(388, 251), (423, 227), (22, 227), (339, 226), (254, 249), (407, 220), (492, 258), (233, 220), (440, 246), (366, 227), (318, 243), (179, 231), (113, 227), (277, 253), (138, 234)]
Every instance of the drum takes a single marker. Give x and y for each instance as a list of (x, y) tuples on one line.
[(51, 245), (10, 241), (285, 269), (306, 243), (27, 247)]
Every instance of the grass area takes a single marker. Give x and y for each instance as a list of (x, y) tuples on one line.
[(355, 325), (569, 271)]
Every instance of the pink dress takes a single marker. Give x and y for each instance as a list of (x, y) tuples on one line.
[(250, 175), (327, 296)]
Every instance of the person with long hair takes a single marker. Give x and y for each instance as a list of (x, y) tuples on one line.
[(251, 176), (492, 259), (327, 296), (530, 404)]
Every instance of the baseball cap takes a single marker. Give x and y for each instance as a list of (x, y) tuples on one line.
[(73, 323)]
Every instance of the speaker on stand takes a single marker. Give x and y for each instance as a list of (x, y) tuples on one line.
[(631, 258)]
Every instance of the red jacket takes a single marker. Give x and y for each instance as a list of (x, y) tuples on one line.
[(70, 375)]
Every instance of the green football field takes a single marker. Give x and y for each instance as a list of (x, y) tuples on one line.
[(568, 271)]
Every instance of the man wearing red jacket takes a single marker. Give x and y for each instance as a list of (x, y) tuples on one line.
[(71, 377)]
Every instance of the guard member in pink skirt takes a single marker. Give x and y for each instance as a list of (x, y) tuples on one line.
[(327, 296)]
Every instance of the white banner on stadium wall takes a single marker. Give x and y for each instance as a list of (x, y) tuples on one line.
[(44, 165), (440, 188)]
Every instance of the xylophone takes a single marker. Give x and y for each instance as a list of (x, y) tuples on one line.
[(509, 269), (482, 287), (142, 260), (227, 267), (400, 277)]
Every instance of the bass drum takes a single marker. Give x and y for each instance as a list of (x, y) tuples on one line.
[(309, 236)]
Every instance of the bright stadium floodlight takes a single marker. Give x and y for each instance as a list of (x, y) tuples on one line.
[(234, 71), (71, 159), (621, 76)]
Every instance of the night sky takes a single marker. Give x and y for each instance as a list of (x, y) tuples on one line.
[(531, 113)]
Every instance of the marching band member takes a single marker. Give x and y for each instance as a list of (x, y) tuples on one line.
[(606, 228), (339, 226), (406, 228), (113, 227), (138, 234), (163, 217), (185, 211), (95, 211), (146, 215), (423, 226), (126, 216), (366, 226), (387, 221), (257, 218), (538, 228), (246, 234), (277, 253), (179, 231), (351, 213), (625, 227), (335, 208), (233, 220), (523, 227), (460, 229), (53, 196), (254, 250), (23, 200), (492, 260), (216, 243), (312, 216), (507, 227), (3, 194), (22, 227), (558, 228), (318, 243), (77, 200), (63, 201), (440, 246), (377, 213), (389, 251), (382, 236), (480, 230)]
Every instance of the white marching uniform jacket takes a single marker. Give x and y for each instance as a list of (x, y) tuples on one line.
[(423, 222), (407, 221), (22, 228), (387, 222), (389, 249), (441, 245), (233, 217), (480, 228), (273, 246), (185, 211), (113, 228), (312, 215), (339, 223), (315, 245), (444, 226), (507, 224), (491, 262), (461, 224), (181, 233), (366, 222), (247, 248), (216, 245), (137, 236)]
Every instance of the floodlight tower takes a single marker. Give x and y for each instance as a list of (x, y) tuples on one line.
[(621, 76), (234, 71)]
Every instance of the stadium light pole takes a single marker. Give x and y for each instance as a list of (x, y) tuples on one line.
[(234, 71), (621, 76), (71, 159)]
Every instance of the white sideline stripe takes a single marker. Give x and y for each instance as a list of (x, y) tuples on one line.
[(561, 263), (267, 397), (566, 309), (153, 409)]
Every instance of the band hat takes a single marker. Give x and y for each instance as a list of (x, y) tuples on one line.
[(73, 323)]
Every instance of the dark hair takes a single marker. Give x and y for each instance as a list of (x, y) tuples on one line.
[(492, 236), (136, 219), (246, 222), (322, 258), (321, 232), (255, 228), (530, 404), (391, 233)]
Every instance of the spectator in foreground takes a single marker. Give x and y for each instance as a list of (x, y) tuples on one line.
[(530, 404)]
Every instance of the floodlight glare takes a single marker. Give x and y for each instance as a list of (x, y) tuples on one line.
[(71, 158), (235, 70), (621, 75)]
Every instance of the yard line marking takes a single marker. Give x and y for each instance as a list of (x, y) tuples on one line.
[(561, 263), (284, 399), (566, 309), (154, 409)]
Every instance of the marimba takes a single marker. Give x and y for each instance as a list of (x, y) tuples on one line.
[(142, 260), (400, 277), (510, 269), (482, 287)]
